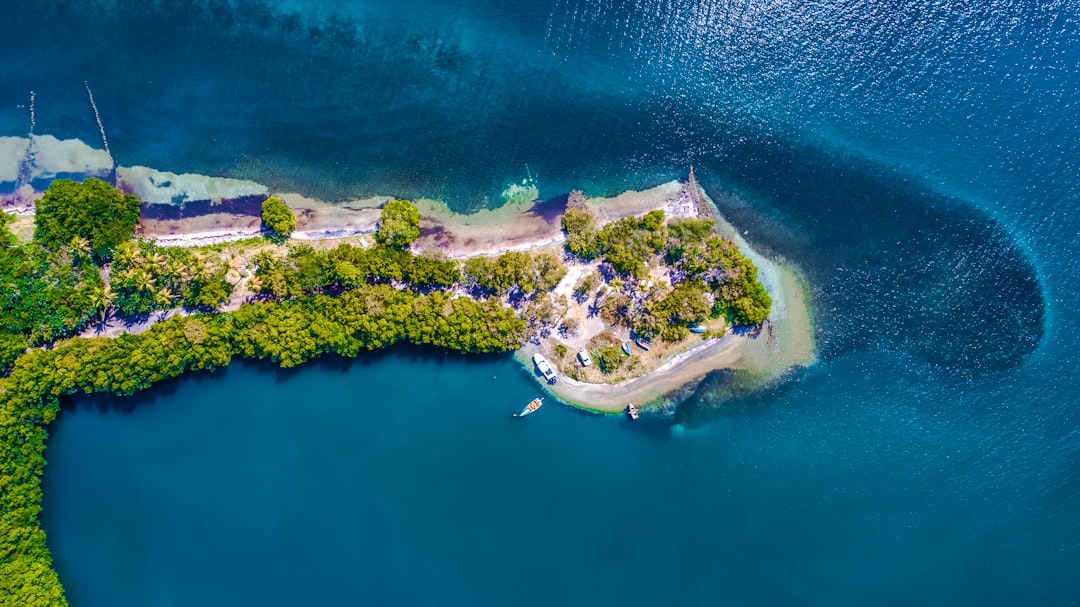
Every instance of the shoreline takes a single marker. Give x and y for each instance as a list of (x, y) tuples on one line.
[(196, 210), (786, 341)]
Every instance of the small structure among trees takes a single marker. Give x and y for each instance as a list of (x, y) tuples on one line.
[(277, 216)]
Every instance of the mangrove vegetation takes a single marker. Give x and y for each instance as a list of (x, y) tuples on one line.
[(85, 265)]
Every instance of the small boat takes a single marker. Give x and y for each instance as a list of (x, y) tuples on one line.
[(544, 368), (631, 411), (626, 347), (643, 343), (697, 329), (533, 406)]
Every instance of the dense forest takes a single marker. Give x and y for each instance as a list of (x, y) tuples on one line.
[(83, 264)]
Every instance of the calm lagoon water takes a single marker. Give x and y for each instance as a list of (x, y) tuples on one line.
[(917, 160)]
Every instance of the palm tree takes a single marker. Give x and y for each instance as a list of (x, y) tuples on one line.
[(143, 281), (102, 298), (183, 270), (164, 297), (156, 258), (128, 255), (126, 276), (235, 272), (80, 247), (173, 268)]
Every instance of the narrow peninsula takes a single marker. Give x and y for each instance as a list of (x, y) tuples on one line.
[(631, 298)]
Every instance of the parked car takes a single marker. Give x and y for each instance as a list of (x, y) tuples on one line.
[(584, 357)]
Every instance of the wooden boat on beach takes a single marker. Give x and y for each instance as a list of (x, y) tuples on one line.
[(697, 329), (626, 348), (631, 412), (643, 343), (533, 406)]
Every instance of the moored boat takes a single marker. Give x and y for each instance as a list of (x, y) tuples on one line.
[(533, 406), (631, 411), (544, 368), (626, 347)]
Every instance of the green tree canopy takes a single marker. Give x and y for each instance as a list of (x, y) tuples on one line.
[(93, 210), (433, 270), (277, 216), (12, 346), (7, 239), (399, 224)]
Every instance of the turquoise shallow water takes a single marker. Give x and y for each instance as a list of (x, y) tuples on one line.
[(917, 160)]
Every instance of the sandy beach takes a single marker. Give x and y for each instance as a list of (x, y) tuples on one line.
[(785, 340)]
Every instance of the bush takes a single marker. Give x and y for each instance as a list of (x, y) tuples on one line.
[(277, 216), (93, 210), (48, 294), (627, 244), (586, 285), (12, 345), (399, 224), (611, 358), (580, 227), (433, 270), (514, 272)]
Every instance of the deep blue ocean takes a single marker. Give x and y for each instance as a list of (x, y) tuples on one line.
[(919, 160)]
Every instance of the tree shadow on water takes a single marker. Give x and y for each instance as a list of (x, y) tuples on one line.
[(410, 353), (104, 402), (107, 402), (550, 210), (733, 393)]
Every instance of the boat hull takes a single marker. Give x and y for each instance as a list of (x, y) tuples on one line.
[(531, 408), (544, 367)]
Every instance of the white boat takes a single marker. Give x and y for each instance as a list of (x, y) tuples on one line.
[(544, 368), (533, 406), (631, 411)]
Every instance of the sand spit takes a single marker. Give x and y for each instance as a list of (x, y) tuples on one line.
[(785, 340), (194, 210)]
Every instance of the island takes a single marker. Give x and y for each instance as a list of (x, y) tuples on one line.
[(632, 298)]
